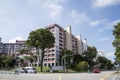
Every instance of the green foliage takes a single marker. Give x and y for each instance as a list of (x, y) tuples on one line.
[(7, 61), (105, 63), (82, 66), (24, 51), (116, 42), (66, 55), (90, 54), (45, 69), (41, 39), (76, 59)]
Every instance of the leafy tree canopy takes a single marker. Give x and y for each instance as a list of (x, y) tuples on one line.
[(41, 38), (116, 42), (91, 52)]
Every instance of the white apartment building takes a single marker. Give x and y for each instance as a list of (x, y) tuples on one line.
[(52, 55), (64, 40)]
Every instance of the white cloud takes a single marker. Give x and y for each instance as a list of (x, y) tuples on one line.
[(56, 10), (13, 40), (79, 17), (3, 12), (103, 39), (111, 24), (54, 7), (104, 3), (100, 30), (110, 56), (94, 23)]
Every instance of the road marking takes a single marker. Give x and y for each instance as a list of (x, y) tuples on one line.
[(104, 77), (78, 77), (114, 77), (59, 77)]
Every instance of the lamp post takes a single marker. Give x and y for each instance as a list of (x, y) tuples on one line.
[(88, 68), (64, 59)]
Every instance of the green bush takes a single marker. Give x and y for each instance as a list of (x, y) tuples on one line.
[(82, 66), (45, 69)]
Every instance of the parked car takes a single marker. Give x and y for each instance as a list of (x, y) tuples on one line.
[(96, 70), (22, 70), (30, 70)]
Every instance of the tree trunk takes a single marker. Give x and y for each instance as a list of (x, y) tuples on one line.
[(42, 57), (38, 57)]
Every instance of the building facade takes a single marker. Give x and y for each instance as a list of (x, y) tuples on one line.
[(64, 40), (14, 48), (51, 57), (1, 46)]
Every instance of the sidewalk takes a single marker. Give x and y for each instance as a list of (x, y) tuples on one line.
[(117, 76)]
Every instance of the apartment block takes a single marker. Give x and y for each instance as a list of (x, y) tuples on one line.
[(52, 55), (64, 40), (14, 48), (1, 46)]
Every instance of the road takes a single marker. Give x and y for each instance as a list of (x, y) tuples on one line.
[(106, 75)]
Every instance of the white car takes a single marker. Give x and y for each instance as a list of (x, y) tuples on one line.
[(30, 69)]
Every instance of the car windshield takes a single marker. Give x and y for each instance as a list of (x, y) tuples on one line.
[(33, 68), (28, 68)]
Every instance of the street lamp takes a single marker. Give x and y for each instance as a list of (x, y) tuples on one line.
[(64, 59), (88, 68)]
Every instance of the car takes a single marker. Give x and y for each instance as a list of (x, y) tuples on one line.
[(30, 69), (96, 70), (19, 70)]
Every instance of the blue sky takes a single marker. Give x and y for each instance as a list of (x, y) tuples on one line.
[(93, 19)]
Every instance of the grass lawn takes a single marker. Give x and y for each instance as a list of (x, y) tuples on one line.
[(45, 69)]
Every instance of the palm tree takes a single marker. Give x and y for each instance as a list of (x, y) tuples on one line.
[(66, 55)]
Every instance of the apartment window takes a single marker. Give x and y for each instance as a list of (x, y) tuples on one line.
[(53, 50), (53, 59), (52, 64), (57, 51), (45, 64)]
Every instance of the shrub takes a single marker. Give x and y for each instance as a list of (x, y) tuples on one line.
[(82, 66)]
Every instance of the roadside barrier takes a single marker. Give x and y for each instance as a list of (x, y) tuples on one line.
[(7, 72)]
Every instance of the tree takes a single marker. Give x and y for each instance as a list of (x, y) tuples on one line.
[(41, 39), (2, 60), (24, 51), (7, 61), (66, 55), (102, 61), (76, 59), (90, 54), (105, 63), (10, 62), (116, 42)]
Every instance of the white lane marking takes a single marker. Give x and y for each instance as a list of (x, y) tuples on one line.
[(114, 77)]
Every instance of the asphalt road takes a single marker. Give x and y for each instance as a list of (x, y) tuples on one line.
[(106, 75)]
